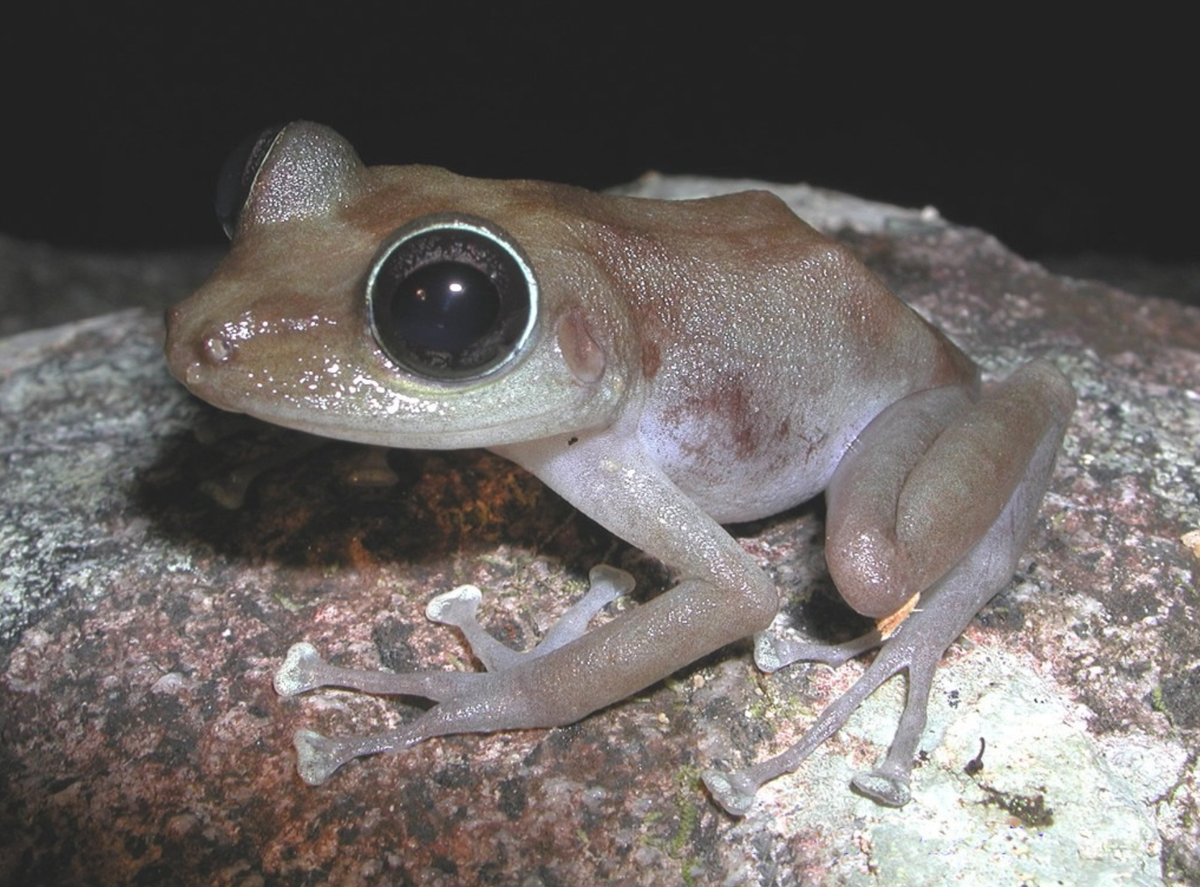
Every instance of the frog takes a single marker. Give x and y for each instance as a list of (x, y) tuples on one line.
[(668, 367)]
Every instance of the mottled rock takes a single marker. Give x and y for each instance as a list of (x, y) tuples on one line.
[(41, 285), (140, 623)]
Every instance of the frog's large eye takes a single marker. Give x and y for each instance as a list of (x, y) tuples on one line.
[(237, 176), (451, 297)]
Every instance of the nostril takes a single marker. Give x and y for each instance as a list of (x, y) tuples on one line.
[(217, 349)]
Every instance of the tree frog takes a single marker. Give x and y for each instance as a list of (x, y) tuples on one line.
[(665, 366)]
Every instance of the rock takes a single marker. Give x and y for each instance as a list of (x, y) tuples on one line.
[(42, 286), (140, 623)]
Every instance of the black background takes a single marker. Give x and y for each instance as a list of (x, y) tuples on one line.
[(1059, 138)]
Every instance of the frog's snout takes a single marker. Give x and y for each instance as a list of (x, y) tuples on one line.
[(192, 354), (174, 348)]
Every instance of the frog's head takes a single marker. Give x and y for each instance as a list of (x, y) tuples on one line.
[(404, 306)]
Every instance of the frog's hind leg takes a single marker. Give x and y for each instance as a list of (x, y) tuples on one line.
[(735, 791), (915, 650), (458, 694), (773, 652), (936, 500)]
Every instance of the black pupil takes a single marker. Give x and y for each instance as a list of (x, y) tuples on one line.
[(450, 302), (445, 306)]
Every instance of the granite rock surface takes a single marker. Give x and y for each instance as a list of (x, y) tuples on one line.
[(141, 620)]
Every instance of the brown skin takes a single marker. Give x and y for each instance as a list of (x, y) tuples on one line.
[(691, 363)]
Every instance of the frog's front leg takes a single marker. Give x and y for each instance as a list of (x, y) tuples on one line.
[(303, 669), (935, 501), (721, 596)]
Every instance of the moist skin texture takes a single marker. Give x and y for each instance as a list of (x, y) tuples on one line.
[(687, 364)]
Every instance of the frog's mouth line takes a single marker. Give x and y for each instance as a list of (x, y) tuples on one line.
[(439, 429)]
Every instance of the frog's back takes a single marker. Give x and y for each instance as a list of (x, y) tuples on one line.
[(765, 348), (755, 348)]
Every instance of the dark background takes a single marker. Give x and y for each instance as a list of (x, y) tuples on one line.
[(1058, 138)]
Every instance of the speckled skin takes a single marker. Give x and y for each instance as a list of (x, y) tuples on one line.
[(692, 363)]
